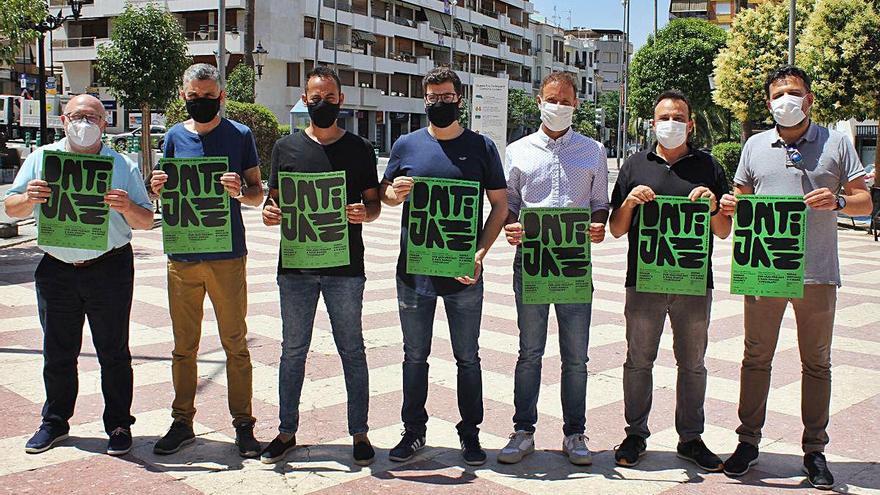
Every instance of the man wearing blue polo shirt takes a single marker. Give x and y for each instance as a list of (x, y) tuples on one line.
[(74, 284)]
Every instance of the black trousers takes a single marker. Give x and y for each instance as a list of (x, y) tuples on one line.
[(66, 295)]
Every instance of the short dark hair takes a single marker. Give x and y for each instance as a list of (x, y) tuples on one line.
[(674, 94), (324, 72), (785, 72), (439, 75), (560, 77)]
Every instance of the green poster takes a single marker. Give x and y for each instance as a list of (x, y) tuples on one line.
[(769, 237), (195, 206), (75, 216), (442, 227), (314, 225), (673, 249), (556, 256)]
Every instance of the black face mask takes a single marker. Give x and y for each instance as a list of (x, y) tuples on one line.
[(203, 110), (442, 114), (323, 113)]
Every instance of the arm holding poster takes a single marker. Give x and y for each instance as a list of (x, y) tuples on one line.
[(491, 229), (621, 218)]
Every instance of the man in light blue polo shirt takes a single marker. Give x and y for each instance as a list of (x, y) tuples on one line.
[(74, 284)]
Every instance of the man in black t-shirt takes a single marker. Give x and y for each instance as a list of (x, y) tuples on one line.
[(324, 147), (671, 168)]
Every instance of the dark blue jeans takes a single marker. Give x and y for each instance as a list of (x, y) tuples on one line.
[(463, 312), (66, 296), (574, 339), (344, 299)]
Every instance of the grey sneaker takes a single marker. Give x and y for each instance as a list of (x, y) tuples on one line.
[(575, 447), (521, 444)]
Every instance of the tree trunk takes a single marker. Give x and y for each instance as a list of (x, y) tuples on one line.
[(146, 145), (747, 128), (249, 16), (877, 155)]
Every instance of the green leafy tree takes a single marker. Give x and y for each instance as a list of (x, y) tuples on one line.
[(464, 115), (584, 120), (240, 86), (756, 45), (609, 102), (14, 16), (522, 112), (727, 155), (143, 63), (842, 54), (679, 57)]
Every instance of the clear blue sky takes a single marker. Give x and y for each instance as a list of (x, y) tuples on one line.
[(607, 14)]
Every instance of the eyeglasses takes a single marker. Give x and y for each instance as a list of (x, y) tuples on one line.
[(794, 156), (91, 119), (444, 97)]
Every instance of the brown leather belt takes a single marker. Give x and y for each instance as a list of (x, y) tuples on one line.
[(87, 263)]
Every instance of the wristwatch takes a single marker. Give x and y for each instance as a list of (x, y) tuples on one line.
[(841, 203)]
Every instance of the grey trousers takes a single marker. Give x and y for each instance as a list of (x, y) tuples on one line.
[(645, 316)]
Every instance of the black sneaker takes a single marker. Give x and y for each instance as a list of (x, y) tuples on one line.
[(248, 446), (277, 450), (44, 439), (411, 443), (473, 454), (744, 457), (697, 452), (120, 441), (817, 471), (630, 451), (178, 435), (363, 452)]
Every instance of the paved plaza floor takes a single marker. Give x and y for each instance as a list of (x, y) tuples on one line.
[(323, 463)]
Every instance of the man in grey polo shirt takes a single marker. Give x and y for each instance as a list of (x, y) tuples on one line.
[(797, 157)]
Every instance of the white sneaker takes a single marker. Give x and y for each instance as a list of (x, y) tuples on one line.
[(575, 447), (521, 444)]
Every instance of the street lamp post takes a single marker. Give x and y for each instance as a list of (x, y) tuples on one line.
[(47, 25), (221, 44), (792, 19), (260, 59), (620, 109)]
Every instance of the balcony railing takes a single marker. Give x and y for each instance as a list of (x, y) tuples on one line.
[(491, 13), (402, 57), (76, 42), (342, 47), (403, 21)]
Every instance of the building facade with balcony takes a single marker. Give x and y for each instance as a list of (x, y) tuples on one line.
[(608, 48), (720, 12), (382, 48)]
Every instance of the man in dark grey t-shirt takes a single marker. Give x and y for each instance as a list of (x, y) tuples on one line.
[(797, 157)]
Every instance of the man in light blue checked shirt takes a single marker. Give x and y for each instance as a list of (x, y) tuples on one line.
[(555, 167), (74, 284)]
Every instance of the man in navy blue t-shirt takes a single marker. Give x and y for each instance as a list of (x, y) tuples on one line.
[(443, 150), (221, 275)]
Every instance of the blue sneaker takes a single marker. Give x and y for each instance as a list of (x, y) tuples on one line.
[(44, 439)]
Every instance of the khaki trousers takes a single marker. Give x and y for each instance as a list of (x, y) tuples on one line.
[(814, 314), (225, 283)]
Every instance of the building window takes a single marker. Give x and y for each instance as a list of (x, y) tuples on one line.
[(722, 8), (309, 27), (293, 74), (346, 77)]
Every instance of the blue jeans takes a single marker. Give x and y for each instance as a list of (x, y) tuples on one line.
[(463, 312), (574, 339), (344, 298)]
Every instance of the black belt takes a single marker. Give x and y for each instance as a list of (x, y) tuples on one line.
[(109, 254)]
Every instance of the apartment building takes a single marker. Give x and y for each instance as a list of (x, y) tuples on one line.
[(608, 48), (720, 12), (557, 52), (381, 49)]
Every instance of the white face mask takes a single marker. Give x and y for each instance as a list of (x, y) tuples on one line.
[(83, 133), (670, 133), (556, 117), (788, 110)]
